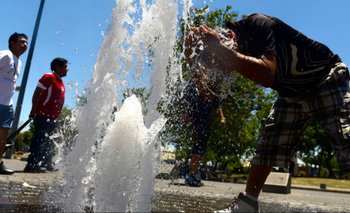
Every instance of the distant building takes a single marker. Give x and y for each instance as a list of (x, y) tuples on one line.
[(168, 154)]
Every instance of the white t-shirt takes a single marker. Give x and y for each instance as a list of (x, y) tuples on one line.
[(10, 67)]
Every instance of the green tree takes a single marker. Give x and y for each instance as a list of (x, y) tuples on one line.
[(23, 140), (67, 132), (142, 94), (245, 108), (315, 148)]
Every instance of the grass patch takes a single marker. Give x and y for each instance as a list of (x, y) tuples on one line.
[(307, 181), (337, 183)]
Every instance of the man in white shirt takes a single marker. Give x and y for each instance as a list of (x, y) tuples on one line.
[(10, 67)]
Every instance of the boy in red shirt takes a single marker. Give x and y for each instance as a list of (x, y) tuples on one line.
[(48, 100)]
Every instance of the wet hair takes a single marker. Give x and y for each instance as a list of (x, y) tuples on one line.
[(236, 26), (233, 25), (15, 36), (58, 61)]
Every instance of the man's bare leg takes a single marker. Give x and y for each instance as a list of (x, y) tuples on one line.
[(193, 177), (3, 136), (195, 163), (256, 179)]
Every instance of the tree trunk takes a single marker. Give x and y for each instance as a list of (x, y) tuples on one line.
[(329, 166)]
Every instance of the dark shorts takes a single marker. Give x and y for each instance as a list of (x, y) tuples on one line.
[(201, 136), (289, 117), (6, 116), (42, 147)]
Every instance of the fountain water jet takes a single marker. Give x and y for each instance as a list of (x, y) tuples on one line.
[(113, 164), (128, 158)]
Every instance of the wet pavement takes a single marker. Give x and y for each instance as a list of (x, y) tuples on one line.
[(39, 192)]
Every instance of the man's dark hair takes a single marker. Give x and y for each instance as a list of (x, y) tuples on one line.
[(58, 61), (15, 36)]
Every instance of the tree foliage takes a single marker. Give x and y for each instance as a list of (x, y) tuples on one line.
[(315, 149), (66, 132), (23, 139)]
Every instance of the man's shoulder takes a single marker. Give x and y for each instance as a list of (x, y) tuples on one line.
[(259, 19), (5, 53), (48, 75), (51, 78)]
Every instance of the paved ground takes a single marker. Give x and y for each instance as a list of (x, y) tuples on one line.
[(26, 191)]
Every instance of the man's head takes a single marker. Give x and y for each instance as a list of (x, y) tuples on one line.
[(60, 66), (18, 43), (239, 29)]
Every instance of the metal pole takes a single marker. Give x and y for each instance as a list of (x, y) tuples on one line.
[(9, 152)]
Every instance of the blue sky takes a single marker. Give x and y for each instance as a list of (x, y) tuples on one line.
[(73, 28)]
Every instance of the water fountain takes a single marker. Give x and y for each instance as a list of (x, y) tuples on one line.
[(113, 163)]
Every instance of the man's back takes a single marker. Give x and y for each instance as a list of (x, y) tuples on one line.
[(10, 67), (301, 62), (50, 103)]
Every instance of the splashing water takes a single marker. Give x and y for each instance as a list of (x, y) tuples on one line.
[(113, 163), (126, 188)]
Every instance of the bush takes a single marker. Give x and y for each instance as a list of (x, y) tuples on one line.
[(245, 170), (324, 172), (302, 174)]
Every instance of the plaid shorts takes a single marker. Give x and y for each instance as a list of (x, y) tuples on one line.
[(6, 116), (328, 103)]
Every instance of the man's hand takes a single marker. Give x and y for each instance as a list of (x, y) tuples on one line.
[(223, 122), (31, 114), (191, 41), (222, 117), (200, 39)]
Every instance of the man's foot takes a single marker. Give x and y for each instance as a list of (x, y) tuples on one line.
[(4, 170), (193, 180), (241, 204), (29, 169), (51, 168)]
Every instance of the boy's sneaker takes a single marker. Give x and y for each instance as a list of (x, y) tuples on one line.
[(241, 204), (4, 170), (193, 180), (51, 168), (36, 169)]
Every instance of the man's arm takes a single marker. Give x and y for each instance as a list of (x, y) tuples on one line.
[(35, 100), (222, 116), (261, 70)]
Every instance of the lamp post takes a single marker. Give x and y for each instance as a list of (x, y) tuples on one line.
[(24, 79)]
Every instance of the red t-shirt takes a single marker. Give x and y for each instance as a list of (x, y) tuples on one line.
[(50, 103)]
